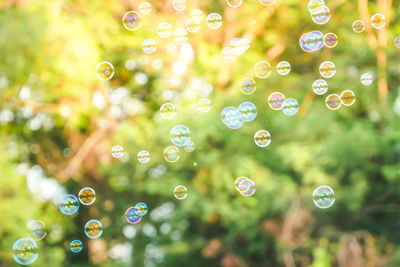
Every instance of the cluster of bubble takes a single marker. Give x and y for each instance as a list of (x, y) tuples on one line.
[(134, 214), (238, 3), (319, 12), (245, 186), (346, 98), (378, 21), (316, 40), (118, 152), (235, 117), (277, 101)]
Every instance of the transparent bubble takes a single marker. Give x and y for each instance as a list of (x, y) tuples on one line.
[(327, 69), (290, 106), (192, 25), (104, 71), (143, 156), (164, 30), (239, 45), (93, 229), (204, 105), (117, 152), (262, 138), (179, 5), (378, 21), (132, 20), (347, 97), (76, 246), (366, 78), (145, 8), (238, 181), (179, 135), (267, 2), (247, 86), (246, 187), (25, 251), (37, 229), (358, 26), (313, 4), (172, 154), (149, 46), (283, 68), (311, 41), (323, 197), (333, 102), (141, 209), (234, 3), (214, 21), (248, 111), (168, 111), (198, 14), (180, 36), (69, 204), (262, 69), (320, 87), (330, 40), (275, 100), (180, 192), (131, 217), (397, 42), (189, 146), (231, 117), (87, 196), (321, 14)]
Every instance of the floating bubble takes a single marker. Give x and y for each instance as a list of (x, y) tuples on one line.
[(262, 69), (347, 97), (231, 117), (172, 154), (327, 69), (143, 156), (320, 87), (267, 2), (145, 8), (247, 187), (149, 46), (214, 21), (141, 209), (180, 36), (192, 25), (367, 78), (290, 106), (76, 246), (37, 229), (238, 181), (313, 4), (104, 71), (323, 197), (69, 204), (275, 100), (358, 26), (132, 20), (131, 217), (248, 111), (378, 21), (234, 3), (189, 146), (312, 41), (247, 86), (239, 45), (333, 102), (164, 30), (117, 152), (25, 251), (283, 68), (198, 14), (330, 40), (204, 105), (397, 42), (87, 196), (321, 14), (180, 192), (168, 111), (93, 229), (179, 5), (262, 138), (179, 135)]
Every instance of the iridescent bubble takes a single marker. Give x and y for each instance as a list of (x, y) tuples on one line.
[(172, 154), (214, 21), (239, 45), (25, 251), (321, 14), (234, 3), (189, 146), (168, 111), (378, 21), (238, 181), (76, 246), (366, 78), (330, 40), (141, 209), (248, 111), (198, 14), (131, 217), (397, 42), (247, 187), (347, 97), (313, 4), (143, 156), (358, 26), (145, 8), (180, 36), (204, 105), (275, 100), (132, 20), (104, 71), (311, 41), (117, 152), (267, 2), (262, 69), (164, 30), (37, 229), (262, 138), (69, 204), (247, 86), (320, 87), (290, 106), (180, 192), (283, 68), (149, 46), (327, 69), (87, 196), (333, 102), (231, 117), (179, 135), (192, 25), (323, 197), (179, 5), (93, 229)]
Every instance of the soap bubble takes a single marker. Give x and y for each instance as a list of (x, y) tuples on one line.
[(192, 25), (397, 41), (378, 21), (179, 135), (330, 40), (327, 69), (214, 21), (333, 102), (132, 20), (180, 192), (313, 4), (204, 105), (117, 152), (262, 138), (189, 146), (76, 246), (248, 111), (25, 251), (104, 71), (323, 197), (179, 5), (231, 117), (164, 30), (180, 36), (321, 14), (262, 69), (234, 3), (367, 78), (283, 68), (149, 46), (141, 209), (238, 181), (347, 97), (131, 217), (87, 196), (145, 8), (172, 154), (320, 87), (143, 156), (69, 204), (245, 186), (168, 111), (267, 2), (358, 26), (37, 229), (198, 14), (93, 229), (239, 45), (247, 86), (290, 106), (275, 100), (311, 41)]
